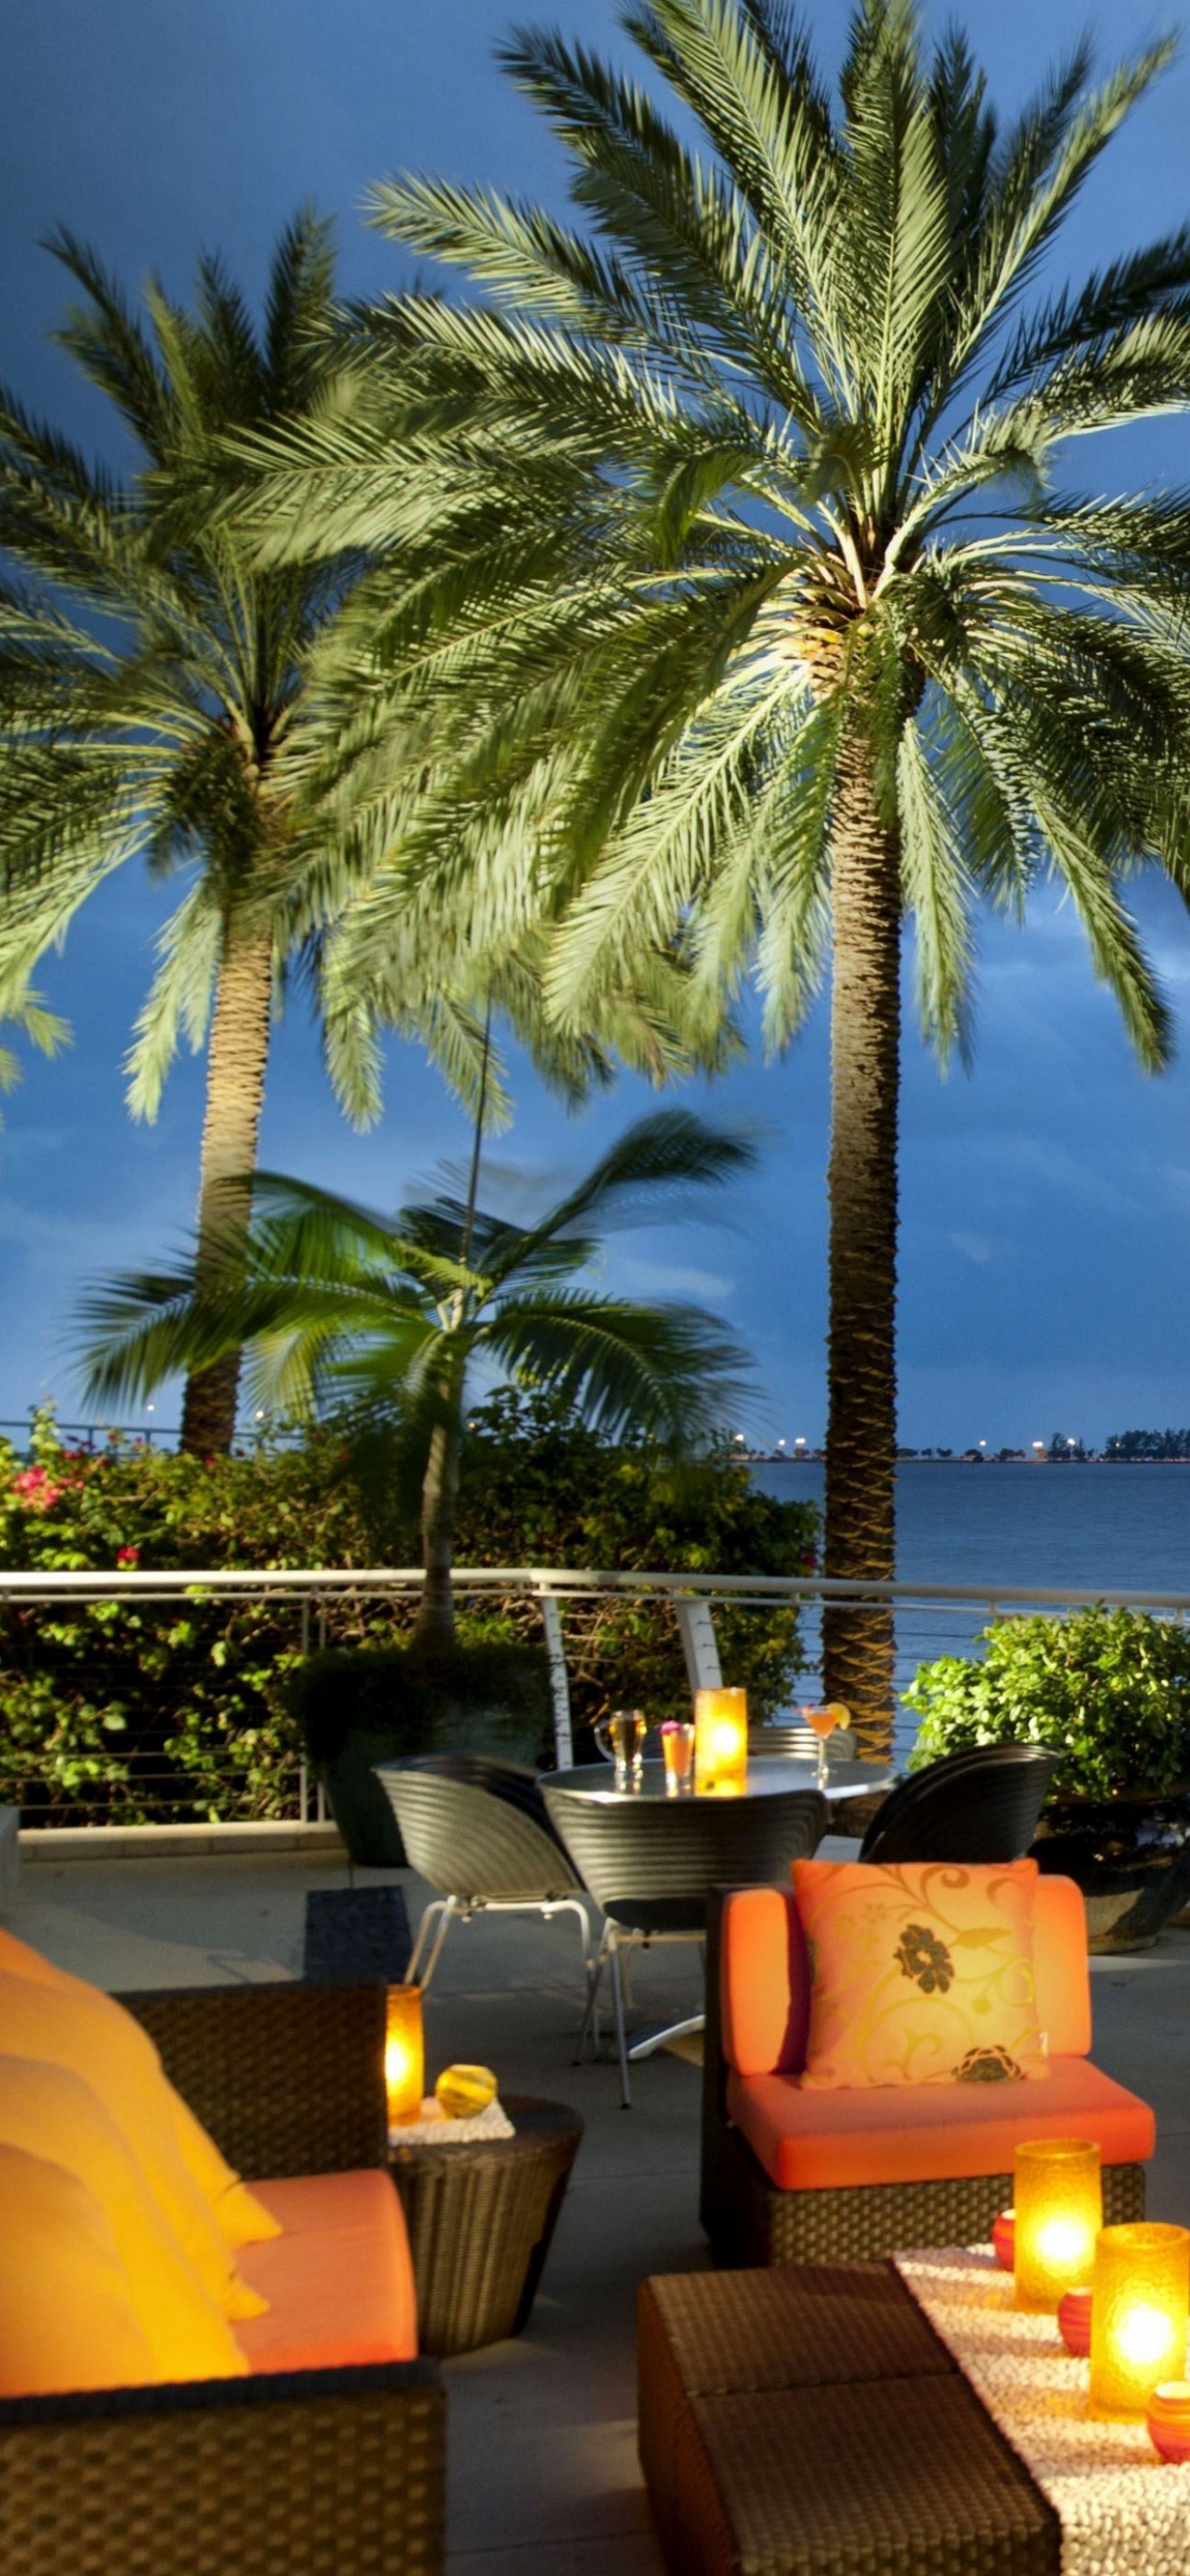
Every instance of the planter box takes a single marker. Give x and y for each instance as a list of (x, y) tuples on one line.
[(1131, 1858)]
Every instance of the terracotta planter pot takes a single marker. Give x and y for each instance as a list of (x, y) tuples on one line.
[(1130, 1856)]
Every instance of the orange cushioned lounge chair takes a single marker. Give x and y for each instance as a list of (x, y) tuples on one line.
[(327, 2459), (793, 2176)]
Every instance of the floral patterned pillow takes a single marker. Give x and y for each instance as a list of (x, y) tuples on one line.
[(921, 1974)]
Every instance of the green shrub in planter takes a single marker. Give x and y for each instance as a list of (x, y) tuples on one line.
[(357, 1707), (1109, 1689)]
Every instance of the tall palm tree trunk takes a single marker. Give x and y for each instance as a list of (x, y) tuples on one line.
[(858, 1647), (435, 1628), (236, 1061)]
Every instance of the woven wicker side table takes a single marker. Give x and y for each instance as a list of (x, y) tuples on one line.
[(480, 2219)]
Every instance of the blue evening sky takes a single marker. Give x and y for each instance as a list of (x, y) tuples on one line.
[(1046, 1200)]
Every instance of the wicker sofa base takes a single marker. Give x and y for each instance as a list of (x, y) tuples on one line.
[(303, 2473), (317, 2473), (750, 2222), (812, 2424)]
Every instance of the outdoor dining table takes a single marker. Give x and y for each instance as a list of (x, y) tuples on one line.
[(655, 1858), (768, 1776)]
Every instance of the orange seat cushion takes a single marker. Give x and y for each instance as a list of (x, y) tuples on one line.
[(67, 2317), (238, 2217), (819, 2141), (1061, 1967), (49, 2113), (339, 2279)]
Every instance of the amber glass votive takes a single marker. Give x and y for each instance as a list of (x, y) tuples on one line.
[(721, 1742), (1168, 2419), (1058, 2199), (1140, 2313), (404, 2055)]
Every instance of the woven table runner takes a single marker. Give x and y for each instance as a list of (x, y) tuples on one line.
[(1121, 2508)]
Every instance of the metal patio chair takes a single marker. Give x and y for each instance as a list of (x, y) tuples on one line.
[(651, 1862), (479, 1831), (981, 1805)]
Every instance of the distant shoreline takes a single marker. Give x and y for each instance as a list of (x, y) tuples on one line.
[(817, 1458)]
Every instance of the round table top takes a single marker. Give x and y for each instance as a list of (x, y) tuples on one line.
[(769, 1776), (538, 2125)]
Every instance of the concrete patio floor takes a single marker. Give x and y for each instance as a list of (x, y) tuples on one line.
[(542, 2432)]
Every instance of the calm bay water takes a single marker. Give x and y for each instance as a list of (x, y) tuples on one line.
[(1072, 1527), (1039, 1528)]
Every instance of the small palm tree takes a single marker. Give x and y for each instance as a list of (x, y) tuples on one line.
[(331, 1302), (741, 555)]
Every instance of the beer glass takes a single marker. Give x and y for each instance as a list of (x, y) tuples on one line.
[(621, 1739)]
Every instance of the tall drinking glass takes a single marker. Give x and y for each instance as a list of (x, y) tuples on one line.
[(621, 1739)]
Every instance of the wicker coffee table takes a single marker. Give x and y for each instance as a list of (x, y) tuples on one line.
[(807, 2421), (480, 2217)]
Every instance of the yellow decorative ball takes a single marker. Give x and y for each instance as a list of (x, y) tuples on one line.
[(464, 2091)]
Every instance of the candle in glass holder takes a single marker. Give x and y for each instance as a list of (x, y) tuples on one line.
[(404, 2055), (721, 1742), (1058, 2200), (1168, 2419), (1139, 2317)]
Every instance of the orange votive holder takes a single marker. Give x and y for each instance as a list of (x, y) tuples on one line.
[(404, 2055), (1074, 2322), (1140, 2315), (1168, 2419), (1058, 2200), (721, 1742), (1004, 2238)]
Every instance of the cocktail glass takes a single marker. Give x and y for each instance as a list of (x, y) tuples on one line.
[(824, 1721)]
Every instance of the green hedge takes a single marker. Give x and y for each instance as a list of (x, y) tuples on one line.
[(1109, 1688), (126, 1713)]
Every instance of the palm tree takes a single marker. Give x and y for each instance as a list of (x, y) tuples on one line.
[(151, 690), (742, 558), (331, 1301), (23, 1010)]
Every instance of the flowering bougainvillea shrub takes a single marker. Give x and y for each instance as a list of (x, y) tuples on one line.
[(124, 1710)]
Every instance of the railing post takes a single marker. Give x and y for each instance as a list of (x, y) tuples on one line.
[(700, 1645), (303, 1768), (551, 1620)]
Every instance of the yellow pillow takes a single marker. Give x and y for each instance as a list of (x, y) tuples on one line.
[(67, 2318), (75, 2026), (242, 2219), (919, 1974), (50, 2113)]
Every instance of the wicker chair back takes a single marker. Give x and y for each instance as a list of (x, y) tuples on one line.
[(651, 1862), (477, 1829), (981, 1805)]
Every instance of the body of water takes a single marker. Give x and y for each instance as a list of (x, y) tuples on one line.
[(1070, 1527), (1036, 1528)]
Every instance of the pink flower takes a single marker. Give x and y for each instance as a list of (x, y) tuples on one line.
[(128, 1556), (35, 1487)]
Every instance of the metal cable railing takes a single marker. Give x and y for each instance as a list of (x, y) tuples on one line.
[(316, 1606)]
